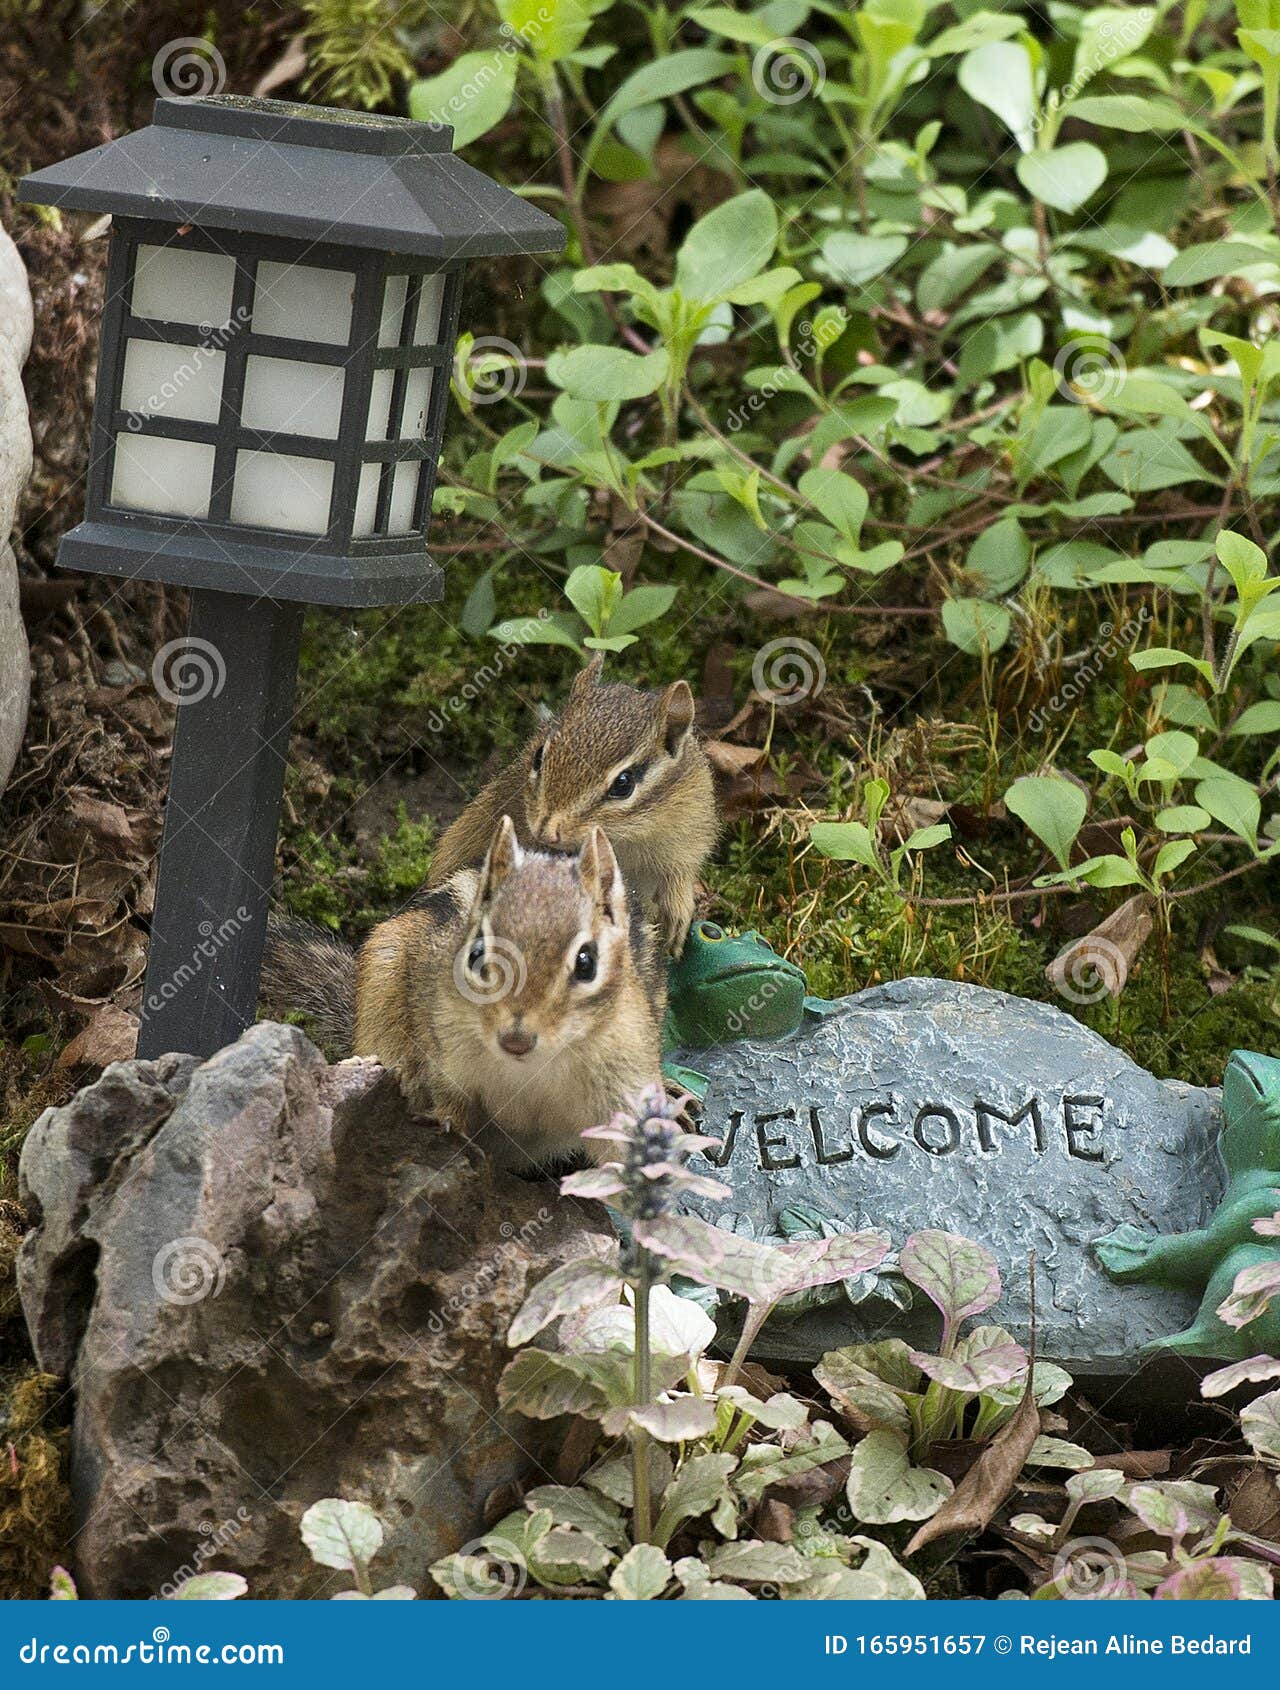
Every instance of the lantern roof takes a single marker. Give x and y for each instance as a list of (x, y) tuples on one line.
[(311, 173)]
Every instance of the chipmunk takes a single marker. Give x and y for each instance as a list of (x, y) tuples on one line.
[(520, 1000), (616, 758)]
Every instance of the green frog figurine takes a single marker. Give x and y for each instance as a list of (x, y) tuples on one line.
[(1212, 1256), (728, 986)]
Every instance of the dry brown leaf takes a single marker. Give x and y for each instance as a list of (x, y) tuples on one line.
[(1106, 953), (990, 1480), (110, 1035)]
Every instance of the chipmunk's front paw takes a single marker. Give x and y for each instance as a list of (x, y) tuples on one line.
[(1126, 1253), (675, 916)]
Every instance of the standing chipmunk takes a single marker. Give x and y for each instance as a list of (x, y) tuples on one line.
[(615, 758), (521, 1000)]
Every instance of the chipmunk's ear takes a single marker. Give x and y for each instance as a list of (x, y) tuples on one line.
[(601, 877), (505, 855), (675, 716), (587, 678)]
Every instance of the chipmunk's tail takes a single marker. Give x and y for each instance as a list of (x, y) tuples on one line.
[(306, 971)]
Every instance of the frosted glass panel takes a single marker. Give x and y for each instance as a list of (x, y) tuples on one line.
[(417, 396), (172, 381), (179, 285), (170, 477), (427, 329), (404, 485), (367, 501), (287, 396), (274, 491), (392, 310), (380, 405), (303, 302)]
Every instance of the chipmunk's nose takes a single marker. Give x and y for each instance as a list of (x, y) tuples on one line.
[(517, 1041), (553, 831)]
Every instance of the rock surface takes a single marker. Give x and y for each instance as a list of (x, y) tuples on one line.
[(269, 1284), (15, 467), (926, 1103)]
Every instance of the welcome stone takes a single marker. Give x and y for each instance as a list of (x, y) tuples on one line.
[(929, 1103)]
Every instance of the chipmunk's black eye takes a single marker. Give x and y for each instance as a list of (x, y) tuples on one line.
[(625, 781), (584, 964), (475, 956), (537, 758)]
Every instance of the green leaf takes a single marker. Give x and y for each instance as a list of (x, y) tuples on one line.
[(660, 79), (700, 1485), (855, 260), (1145, 460), (976, 625), (1167, 657), (753, 1562), (345, 1535), (846, 842), (1053, 808), (1130, 112), (1000, 76), (678, 1420), (473, 94), (997, 560), (728, 246), (841, 499), (641, 606), (1234, 803), (1261, 718), (884, 1487), (534, 630), (957, 1275), (1196, 265), (1183, 818), (604, 373), (595, 593), (550, 29), (1064, 177), (576, 1285), (212, 1587), (642, 1574)]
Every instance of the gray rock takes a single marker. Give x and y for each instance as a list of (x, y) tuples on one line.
[(15, 467), (269, 1284), (926, 1103)]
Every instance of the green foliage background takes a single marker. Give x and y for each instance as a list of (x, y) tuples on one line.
[(934, 341)]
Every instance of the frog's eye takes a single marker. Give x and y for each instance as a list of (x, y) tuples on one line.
[(709, 931)]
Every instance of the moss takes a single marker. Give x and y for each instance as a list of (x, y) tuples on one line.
[(35, 1501)]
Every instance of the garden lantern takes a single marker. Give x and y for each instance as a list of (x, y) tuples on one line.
[(281, 309)]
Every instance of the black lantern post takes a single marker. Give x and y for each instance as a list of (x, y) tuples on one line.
[(281, 309)]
